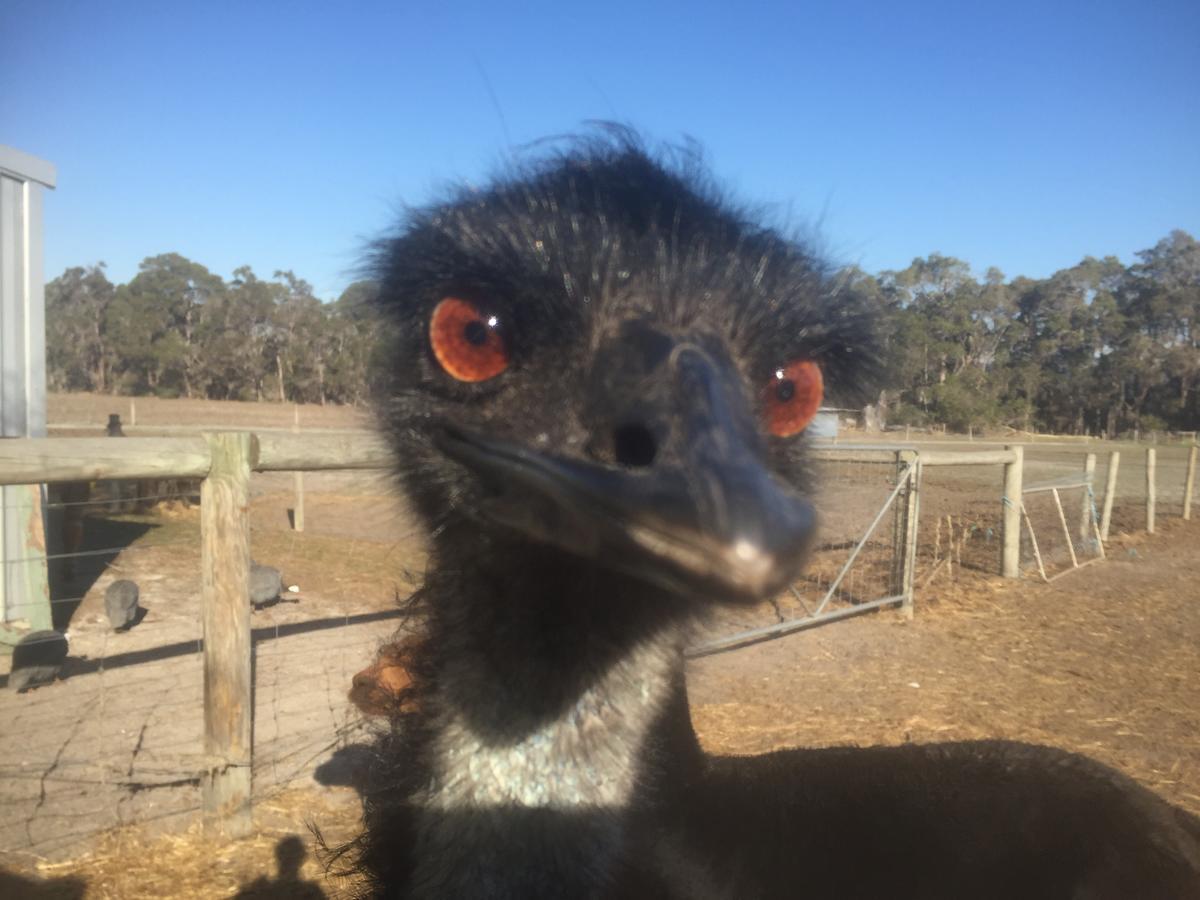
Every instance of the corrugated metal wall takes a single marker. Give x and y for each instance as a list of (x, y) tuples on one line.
[(24, 591)]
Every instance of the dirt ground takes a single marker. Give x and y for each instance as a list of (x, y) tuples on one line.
[(1105, 661)]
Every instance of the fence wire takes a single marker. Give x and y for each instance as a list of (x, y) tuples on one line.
[(961, 524), (119, 736), (857, 564), (1060, 530)]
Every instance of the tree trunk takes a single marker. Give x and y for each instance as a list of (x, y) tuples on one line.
[(187, 353), (99, 375), (279, 375)]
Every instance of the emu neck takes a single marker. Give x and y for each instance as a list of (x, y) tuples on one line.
[(554, 681)]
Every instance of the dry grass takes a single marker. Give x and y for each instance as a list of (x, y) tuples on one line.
[(1105, 661), (134, 863)]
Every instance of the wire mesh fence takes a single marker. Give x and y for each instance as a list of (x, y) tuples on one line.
[(861, 559), (360, 554), (119, 737), (961, 522), (1061, 528)]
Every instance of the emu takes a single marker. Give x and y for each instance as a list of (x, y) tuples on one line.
[(602, 372)]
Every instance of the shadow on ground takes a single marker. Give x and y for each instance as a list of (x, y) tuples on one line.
[(73, 576), (287, 884), (347, 767), (25, 888), (75, 666)]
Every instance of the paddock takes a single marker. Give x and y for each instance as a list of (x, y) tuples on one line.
[(100, 769)]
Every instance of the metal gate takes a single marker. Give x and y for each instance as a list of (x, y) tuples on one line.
[(1058, 543), (878, 540)]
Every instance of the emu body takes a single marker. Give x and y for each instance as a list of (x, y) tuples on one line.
[(589, 413)]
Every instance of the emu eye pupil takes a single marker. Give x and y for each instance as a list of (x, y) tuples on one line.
[(467, 341), (475, 333), (786, 390)]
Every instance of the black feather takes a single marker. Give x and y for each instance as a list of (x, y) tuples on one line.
[(551, 753)]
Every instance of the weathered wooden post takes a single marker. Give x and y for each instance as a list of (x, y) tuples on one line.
[(1110, 490), (911, 522), (24, 574), (1014, 472), (1189, 481), (1089, 500), (225, 602), (1150, 489), (297, 479)]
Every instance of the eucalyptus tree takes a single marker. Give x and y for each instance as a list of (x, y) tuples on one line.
[(78, 352)]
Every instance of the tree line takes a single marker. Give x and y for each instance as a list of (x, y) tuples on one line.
[(1099, 347), (178, 330)]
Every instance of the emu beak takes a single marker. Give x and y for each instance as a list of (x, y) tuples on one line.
[(715, 522)]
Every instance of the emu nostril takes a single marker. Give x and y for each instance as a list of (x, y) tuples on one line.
[(634, 445)]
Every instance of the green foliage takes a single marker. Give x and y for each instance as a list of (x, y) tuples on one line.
[(178, 330), (1098, 347), (78, 351), (903, 413)]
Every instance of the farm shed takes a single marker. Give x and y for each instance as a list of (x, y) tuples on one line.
[(825, 424), (24, 590)]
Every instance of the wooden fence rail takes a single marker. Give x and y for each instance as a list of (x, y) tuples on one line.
[(224, 461)]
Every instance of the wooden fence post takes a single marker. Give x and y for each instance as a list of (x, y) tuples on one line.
[(1014, 474), (907, 517), (1089, 500), (911, 523), (1189, 482), (225, 603), (1110, 490), (1151, 498), (297, 480), (896, 576)]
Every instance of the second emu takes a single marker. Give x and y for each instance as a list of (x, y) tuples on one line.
[(602, 375)]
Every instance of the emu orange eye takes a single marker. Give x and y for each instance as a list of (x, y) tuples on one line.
[(467, 341), (792, 397)]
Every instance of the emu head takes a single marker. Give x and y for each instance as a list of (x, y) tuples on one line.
[(597, 356)]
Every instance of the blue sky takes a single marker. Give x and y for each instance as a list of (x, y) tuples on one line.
[(1019, 135)]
